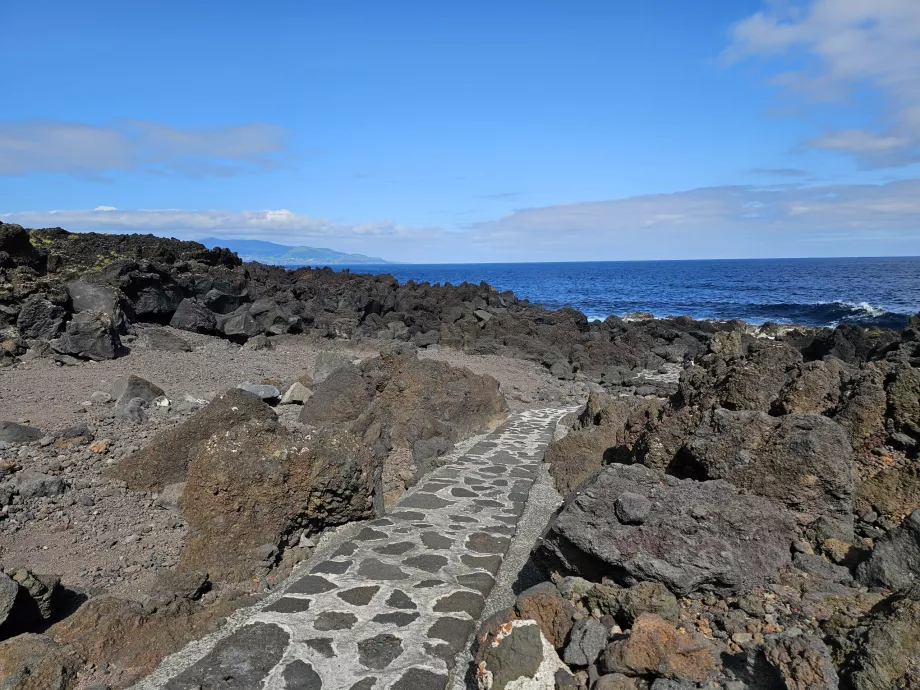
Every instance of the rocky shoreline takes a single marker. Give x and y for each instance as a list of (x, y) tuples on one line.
[(742, 504)]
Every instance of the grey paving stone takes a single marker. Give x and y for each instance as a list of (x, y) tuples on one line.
[(311, 584), (290, 605), (379, 651), (359, 596), (400, 600), (375, 569), (299, 675), (335, 620)]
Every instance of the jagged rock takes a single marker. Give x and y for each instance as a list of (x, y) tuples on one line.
[(86, 296), (698, 535), (36, 662), (648, 597), (887, 648), (43, 591), (341, 397), (586, 642), (519, 657), (803, 662), (895, 560), (240, 326), (9, 589), (35, 485), (90, 335), (16, 248), (127, 387), (165, 459), (552, 613), (40, 319), (11, 432), (656, 648), (893, 491), (192, 315), (250, 488), (131, 410), (297, 393), (800, 460), (815, 389), (903, 392)]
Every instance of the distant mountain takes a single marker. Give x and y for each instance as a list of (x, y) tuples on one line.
[(284, 255)]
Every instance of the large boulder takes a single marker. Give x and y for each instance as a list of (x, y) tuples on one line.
[(904, 402), (895, 560), (194, 316), (165, 459), (85, 296), (90, 335), (696, 536), (800, 460), (421, 399), (40, 319), (247, 492)]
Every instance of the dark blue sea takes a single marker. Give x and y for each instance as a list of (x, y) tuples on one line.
[(819, 292)]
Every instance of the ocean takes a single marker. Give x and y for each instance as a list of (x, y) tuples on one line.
[(881, 292)]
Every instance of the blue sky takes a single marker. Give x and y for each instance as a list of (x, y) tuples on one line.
[(471, 131)]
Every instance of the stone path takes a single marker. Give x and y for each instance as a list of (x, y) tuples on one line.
[(391, 608)]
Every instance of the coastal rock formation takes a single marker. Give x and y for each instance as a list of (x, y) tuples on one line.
[(802, 461), (697, 535)]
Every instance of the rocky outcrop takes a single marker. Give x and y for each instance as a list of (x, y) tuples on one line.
[(165, 459), (697, 535), (608, 432), (802, 461)]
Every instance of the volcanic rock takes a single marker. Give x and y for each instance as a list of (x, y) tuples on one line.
[(698, 535), (165, 459)]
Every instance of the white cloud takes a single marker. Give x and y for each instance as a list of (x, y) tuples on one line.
[(862, 53), (36, 146), (713, 222)]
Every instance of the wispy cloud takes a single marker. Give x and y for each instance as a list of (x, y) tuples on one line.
[(714, 222), (711, 222), (49, 146), (779, 172), (862, 54), (502, 196), (266, 224)]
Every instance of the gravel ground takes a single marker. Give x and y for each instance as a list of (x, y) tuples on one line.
[(98, 534)]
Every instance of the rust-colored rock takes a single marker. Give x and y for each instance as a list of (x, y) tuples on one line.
[(165, 460), (657, 648), (249, 489), (552, 613)]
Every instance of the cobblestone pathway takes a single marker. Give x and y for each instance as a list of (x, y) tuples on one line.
[(391, 608)]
